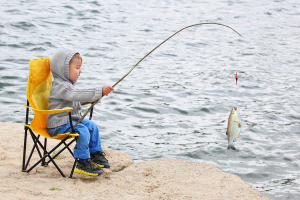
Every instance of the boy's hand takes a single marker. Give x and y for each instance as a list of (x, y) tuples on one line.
[(106, 90)]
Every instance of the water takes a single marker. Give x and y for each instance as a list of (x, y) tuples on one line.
[(176, 103)]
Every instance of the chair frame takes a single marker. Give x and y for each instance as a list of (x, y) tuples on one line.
[(37, 145)]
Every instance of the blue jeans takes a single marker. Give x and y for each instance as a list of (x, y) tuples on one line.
[(88, 142)]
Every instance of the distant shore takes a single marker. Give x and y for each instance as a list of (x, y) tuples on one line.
[(154, 179)]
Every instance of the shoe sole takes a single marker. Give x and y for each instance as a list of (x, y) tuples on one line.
[(98, 165), (79, 171)]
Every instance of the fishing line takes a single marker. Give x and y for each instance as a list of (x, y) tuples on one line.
[(235, 94), (236, 88), (145, 57)]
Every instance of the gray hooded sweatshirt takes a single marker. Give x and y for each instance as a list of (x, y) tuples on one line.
[(63, 92)]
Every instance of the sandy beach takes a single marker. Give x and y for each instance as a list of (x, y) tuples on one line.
[(154, 179)]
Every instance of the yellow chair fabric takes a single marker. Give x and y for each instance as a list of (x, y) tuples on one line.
[(38, 90)]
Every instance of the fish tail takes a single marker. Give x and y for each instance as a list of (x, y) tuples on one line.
[(231, 147), (230, 144)]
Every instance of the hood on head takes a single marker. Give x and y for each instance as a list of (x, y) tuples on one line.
[(59, 64)]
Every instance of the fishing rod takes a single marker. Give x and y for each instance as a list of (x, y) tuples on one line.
[(94, 103)]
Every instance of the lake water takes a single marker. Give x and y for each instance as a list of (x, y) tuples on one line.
[(176, 103)]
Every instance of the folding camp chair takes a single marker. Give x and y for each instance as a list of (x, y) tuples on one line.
[(38, 90)]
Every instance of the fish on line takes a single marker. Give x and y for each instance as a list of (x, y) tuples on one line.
[(234, 127)]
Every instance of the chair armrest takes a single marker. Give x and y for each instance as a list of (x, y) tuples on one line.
[(86, 103), (47, 112)]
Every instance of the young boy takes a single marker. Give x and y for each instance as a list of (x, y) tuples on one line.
[(65, 66)]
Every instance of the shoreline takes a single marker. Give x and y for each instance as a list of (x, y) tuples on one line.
[(153, 179)]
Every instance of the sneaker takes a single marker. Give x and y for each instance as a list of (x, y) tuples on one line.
[(88, 168), (99, 160)]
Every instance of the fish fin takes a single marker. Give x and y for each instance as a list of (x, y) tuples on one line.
[(226, 133), (231, 147), (238, 134), (240, 125), (234, 139)]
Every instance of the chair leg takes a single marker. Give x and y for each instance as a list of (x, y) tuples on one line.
[(25, 138), (35, 139), (47, 154), (32, 150), (66, 146), (75, 162), (45, 146), (24, 150)]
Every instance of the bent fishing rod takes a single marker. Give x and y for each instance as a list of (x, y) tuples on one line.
[(95, 102)]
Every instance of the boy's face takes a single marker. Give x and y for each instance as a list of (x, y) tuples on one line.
[(74, 69)]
